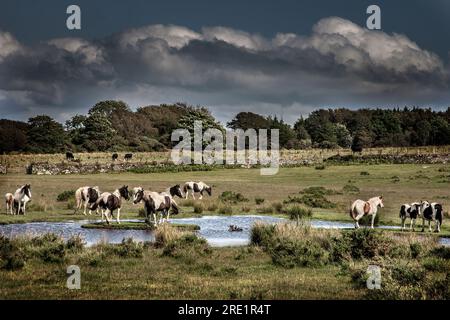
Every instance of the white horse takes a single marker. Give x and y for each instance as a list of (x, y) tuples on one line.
[(21, 197), (9, 201), (87, 196), (156, 202), (109, 202), (432, 212), (362, 208), (194, 187), (411, 211)]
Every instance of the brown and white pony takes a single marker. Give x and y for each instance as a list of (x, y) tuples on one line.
[(87, 196), (109, 202), (21, 197), (194, 187), (157, 202), (361, 208), (9, 201)]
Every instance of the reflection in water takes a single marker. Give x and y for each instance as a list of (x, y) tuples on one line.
[(213, 228)]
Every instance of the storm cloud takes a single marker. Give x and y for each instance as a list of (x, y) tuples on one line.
[(338, 64)]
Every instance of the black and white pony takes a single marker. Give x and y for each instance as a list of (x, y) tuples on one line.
[(194, 187), (9, 201), (361, 208), (69, 156), (411, 211), (109, 202), (158, 202), (432, 212), (21, 197), (87, 196)]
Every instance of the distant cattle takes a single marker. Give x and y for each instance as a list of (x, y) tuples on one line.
[(115, 156), (128, 156), (69, 156)]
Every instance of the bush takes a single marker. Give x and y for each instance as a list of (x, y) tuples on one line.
[(212, 207), (297, 213), (312, 200), (261, 234), (350, 188), (53, 253), (290, 253), (246, 209), (165, 233), (71, 204), (320, 167), (198, 208), (226, 210), (188, 246), (230, 196), (75, 244), (65, 195), (278, 207), (364, 173), (11, 257), (129, 249), (259, 201)]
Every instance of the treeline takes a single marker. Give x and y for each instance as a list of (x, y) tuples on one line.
[(113, 126)]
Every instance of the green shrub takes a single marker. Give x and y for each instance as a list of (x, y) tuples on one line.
[(350, 188), (290, 253), (187, 246), (128, 248), (261, 234), (297, 213), (441, 252), (53, 253), (416, 249), (75, 244), (232, 197), (11, 257), (226, 210), (65, 195), (364, 173), (198, 208), (259, 201), (278, 207), (212, 207)]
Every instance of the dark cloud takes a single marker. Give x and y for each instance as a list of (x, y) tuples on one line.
[(338, 64)]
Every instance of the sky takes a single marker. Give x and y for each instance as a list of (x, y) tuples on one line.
[(284, 58)]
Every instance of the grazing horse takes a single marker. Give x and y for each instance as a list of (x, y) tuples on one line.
[(87, 196), (109, 202), (362, 208), (21, 197), (9, 200), (411, 211), (154, 202), (432, 212), (115, 156), (128, 156), (194, 187), (69, 156)]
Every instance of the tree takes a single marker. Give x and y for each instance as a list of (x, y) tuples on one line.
[(45, 135), (98, 132), (248, 120), (343, 136)]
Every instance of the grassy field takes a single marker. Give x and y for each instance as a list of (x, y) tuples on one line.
[(397, 183), (223, 273)]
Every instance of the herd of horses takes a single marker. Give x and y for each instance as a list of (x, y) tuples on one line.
[(163, 202)]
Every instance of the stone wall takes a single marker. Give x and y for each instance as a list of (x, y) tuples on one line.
[(77, 168)]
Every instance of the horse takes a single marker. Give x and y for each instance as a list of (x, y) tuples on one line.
[(362, 208), (196, 187), (9, 200), (411, 211), (86, 195), (432, 212), (21, 197), (154, 202), (109, 202), (114, 156)]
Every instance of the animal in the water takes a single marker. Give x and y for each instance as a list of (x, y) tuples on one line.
[(361, 208), (69, 156), (196, 187), (115, 156), (128, 156), (155, 202), (411, 211), (234, 228), (109, 202), (87, 196), (21, 197), (9, 201), (432, 212)]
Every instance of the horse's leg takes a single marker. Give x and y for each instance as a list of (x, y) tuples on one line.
[(85, 207), (201, 196), (429, 225), (118, 216), (24, 207), (154, 218), (193, 194), (19, 207), (403, 223), (373, 220), (423, 224)]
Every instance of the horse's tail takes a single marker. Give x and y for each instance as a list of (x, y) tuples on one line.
[(352, 212), (174, 206), (185, 188), (78, 197)]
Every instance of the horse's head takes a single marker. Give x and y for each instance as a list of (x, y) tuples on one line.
[(26, 189), (138, 195), (208, 190), (124, 193), (424, 205), (176, 191), (379, 202), (416, 207)]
